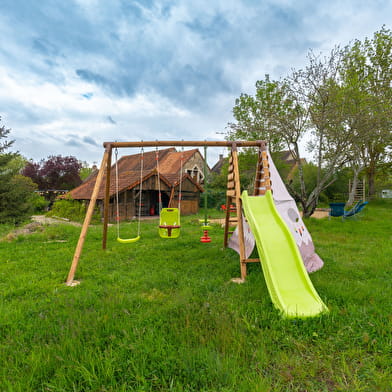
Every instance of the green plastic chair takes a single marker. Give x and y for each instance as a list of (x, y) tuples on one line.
[(169, 223)]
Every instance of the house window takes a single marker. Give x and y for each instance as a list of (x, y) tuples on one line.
[(196, 174)]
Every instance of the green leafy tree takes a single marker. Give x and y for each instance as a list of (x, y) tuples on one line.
[(16, 191), (367, 80), (85, 170), (276, 114), (303, 103), (256, 116), (340, 102), (318, 86), (3, 135), (16, 198)]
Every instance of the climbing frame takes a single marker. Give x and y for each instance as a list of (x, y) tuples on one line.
[(233, 199)]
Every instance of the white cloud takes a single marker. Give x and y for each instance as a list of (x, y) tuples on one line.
[(159, 69)]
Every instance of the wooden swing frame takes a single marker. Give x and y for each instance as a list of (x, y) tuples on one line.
[(233, 193)]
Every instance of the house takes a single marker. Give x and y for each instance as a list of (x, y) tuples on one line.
[(130, 172), (288, 159), (217, 168)]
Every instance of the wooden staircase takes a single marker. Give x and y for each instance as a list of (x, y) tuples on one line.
[(360, 192)]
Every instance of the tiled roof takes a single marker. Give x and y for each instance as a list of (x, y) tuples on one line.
[(217, 168), (129, 172)]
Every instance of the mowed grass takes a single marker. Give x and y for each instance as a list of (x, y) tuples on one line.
[(162, 315)]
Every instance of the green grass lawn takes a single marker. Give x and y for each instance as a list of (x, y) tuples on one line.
[(162, 315)]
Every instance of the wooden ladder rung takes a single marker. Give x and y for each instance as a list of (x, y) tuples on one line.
[(251, 260)]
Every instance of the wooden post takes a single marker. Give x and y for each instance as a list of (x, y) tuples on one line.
[(267, 177), (70, 279), (239, 212), (107, 198), (230, 193), (170, 205)]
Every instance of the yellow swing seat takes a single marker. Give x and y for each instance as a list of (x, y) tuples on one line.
[(169, 223), (128, 240)]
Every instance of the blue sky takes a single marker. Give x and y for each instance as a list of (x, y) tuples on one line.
[(76, 73)]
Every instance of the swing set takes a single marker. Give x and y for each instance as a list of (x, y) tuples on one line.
[(169, 224)]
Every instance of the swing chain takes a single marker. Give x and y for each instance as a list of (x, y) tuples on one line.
[(117, 190), (159, 181), (180, 179), (140, 189)]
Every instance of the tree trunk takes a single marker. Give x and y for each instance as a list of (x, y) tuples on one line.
[(312, 200), (371, 174), (309, 208)]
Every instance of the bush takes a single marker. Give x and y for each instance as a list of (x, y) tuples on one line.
[(39, 203), (16, 199), (73, 210), (215, 198)]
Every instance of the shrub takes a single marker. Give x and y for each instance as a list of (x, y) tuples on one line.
[(16, 199), (73, 210), (39, 203)]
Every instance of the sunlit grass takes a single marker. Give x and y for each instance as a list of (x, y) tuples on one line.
[(162, 315)]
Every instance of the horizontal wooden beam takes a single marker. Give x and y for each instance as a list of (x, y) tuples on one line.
[(168, 143)]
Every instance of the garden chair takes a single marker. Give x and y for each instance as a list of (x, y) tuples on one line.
[(355, 210)]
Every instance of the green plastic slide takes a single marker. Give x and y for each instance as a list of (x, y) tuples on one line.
[(288, 283)]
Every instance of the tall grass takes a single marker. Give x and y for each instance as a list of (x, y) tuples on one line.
[(162, 315)]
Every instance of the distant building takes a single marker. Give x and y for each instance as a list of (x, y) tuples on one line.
[(217, 168), (386, 194), (288, 159)]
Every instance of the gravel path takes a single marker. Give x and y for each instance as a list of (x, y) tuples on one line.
[(45, 220)]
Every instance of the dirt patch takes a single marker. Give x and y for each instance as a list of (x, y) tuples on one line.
[(46, 220), (25, 230), (37, 225), (319, 214)]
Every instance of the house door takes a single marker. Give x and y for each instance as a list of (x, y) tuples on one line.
[(154, 202)]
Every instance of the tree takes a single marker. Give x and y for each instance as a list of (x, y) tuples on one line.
[(16, 196), (85, 170), (275, 114), (355, 104), (16, 191), (255, 116), (55, 173), (319, 86), (367, 77), (306, 102), (3, 134)]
